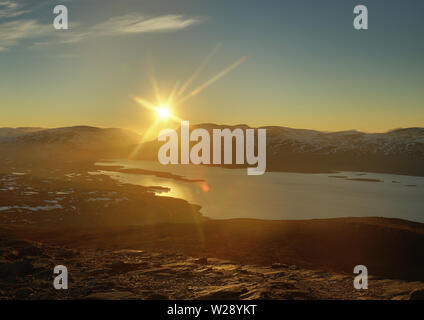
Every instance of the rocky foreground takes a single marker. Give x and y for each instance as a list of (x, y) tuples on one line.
[(121, 241), (26, 272)]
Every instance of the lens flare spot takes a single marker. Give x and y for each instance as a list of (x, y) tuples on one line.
[(204, 186)]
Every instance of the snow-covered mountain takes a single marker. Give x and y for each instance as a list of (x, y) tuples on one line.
[(398, 151), (395, 142), (282, 140)]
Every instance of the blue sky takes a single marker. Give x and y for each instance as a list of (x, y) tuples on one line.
[(307, 66)]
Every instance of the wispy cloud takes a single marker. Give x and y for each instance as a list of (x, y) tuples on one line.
[(11, 9), (135, 23), (11, 33), (131, 24)]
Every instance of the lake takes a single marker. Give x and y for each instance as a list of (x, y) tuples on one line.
[(231, 193)]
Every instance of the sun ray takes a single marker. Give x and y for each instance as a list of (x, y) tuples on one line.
[(199, 69), (145, 103), (143, 138), (213, 79), (172, 95), (153, 80), (163, 109)]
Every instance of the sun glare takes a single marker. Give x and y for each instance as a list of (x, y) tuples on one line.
[(163, 112), (162, 105)]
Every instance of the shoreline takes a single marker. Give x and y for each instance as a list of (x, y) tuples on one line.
[(110, 216)]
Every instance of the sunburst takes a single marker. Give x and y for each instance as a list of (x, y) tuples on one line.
[(164, 108)]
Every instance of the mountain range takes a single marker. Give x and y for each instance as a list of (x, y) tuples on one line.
[(398, 151)]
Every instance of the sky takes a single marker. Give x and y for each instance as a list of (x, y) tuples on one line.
[(301, 63)]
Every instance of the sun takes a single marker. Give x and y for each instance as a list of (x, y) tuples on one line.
[(163, 112)]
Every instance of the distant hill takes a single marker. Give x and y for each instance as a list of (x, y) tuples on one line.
[(69, 142), (78, 136), (17, 131), (399, 151)]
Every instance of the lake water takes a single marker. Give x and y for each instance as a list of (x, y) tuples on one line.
[(231, 193)]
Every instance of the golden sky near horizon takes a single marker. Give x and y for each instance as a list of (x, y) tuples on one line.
[(281, 65)]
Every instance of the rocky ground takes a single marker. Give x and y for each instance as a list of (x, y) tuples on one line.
[(26, 272), (145, 247)]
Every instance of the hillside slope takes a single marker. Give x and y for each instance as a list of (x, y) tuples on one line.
[(399, 151)]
